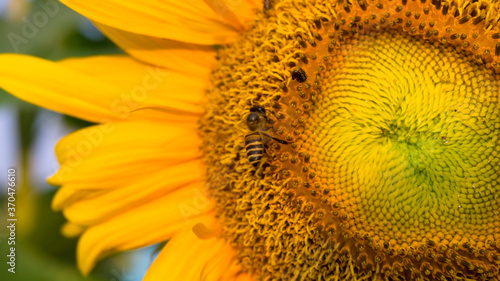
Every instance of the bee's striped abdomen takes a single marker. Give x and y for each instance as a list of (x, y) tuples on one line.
[(254, 148)]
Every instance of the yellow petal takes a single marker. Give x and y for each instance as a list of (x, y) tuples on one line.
[(243, 277), (92, 210), (190, 21), (222, 266), (150, 223), (161, 85), (103, 89), (257, 3), (186, 257), (72, 230), (143, 85), (112, 155), (236, 13), (47, 84), (194, 60)]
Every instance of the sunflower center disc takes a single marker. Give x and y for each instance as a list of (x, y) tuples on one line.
[(383, 162), (405, 139)]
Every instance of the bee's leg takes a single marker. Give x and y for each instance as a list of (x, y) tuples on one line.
[(265, 128), (265, 141), (278, 140)]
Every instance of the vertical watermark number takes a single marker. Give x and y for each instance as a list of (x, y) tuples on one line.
[(11, 219)]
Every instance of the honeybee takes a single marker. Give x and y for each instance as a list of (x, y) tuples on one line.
[(255, 142)]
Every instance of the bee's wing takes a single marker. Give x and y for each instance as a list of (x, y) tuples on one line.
[(275, 139)]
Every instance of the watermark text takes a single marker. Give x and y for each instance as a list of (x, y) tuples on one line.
[(11, 219)]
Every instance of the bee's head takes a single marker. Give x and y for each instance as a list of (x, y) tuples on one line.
[(253, 121), (256, 116)]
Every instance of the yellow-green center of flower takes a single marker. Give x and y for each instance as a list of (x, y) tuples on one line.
[(380, 143)]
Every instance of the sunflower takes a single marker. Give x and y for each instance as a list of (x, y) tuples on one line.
[(282, 140)]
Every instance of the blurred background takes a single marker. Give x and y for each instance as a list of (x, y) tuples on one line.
[(27, 139)]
